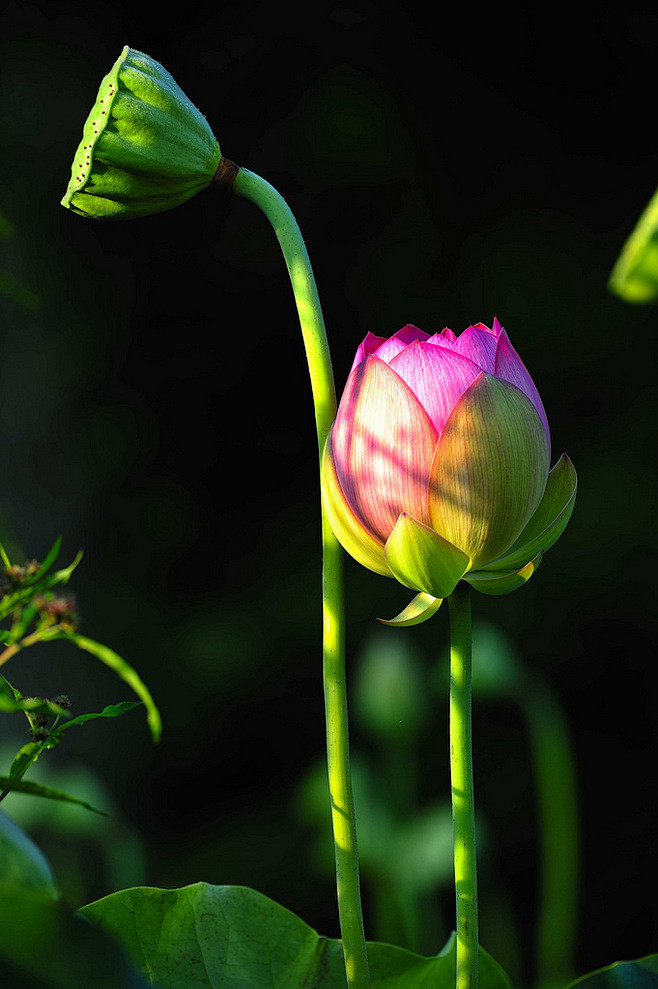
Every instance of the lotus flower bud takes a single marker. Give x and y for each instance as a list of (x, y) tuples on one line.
[(437, 465), (145, 147)]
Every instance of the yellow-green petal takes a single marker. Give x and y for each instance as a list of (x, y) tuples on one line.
[(489, 470), (419, 609), (549, 520), (423, 560), (502, 582)]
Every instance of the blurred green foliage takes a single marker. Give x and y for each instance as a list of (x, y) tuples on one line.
[(634, 277), (405, 845)]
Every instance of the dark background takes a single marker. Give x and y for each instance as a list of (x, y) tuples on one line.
[(445, 167)]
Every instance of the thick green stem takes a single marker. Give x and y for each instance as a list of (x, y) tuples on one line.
[(285, 226), (461, 779)]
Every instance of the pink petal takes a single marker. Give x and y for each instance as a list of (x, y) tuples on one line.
[(396, 344), (410, 333), (367, 346), (497, 329), (444, 339), (510, 367), (479, 345), (437, 376), (349, 530), (383, 443)]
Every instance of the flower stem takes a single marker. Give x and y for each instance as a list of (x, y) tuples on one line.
[(461, 778), (251, 186)]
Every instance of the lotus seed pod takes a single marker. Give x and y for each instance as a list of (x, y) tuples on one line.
[(145, 147)]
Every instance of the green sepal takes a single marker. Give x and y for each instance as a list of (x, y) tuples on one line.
[(548, 521), (422, 559), (145, 147), (634, 277), (502, 582), (419, 609)]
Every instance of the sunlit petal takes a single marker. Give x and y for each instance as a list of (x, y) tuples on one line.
[(510, 367), (349, 530), (479, 345), (383, 444), (393, 346), (437, 377), (490, 469), (368, 346)]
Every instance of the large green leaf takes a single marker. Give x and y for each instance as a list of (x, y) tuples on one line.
[(22, 864), (235, 938), (639, 974), (43, 945)]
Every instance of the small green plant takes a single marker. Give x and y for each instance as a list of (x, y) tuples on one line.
[(36, 611)]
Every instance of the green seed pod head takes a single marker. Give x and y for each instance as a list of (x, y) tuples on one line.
[(145, 147)]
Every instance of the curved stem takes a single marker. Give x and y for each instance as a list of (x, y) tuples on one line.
[(461, 778), (252, 187)]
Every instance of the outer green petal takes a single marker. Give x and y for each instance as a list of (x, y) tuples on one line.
[(350, 532), (419, 609), (549, 521), (490, 469), (145, 147), (504, 581), (423, 560)]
